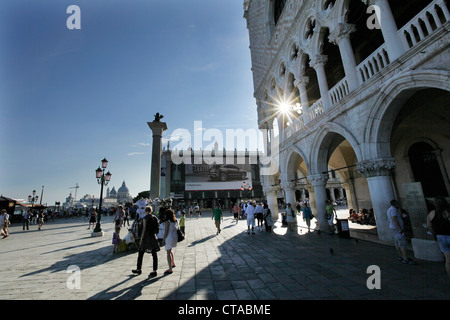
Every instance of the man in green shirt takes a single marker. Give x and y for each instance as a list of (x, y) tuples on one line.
[(217, 216)]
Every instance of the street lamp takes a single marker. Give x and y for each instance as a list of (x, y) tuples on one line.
[(103, 180), (33, 199), (245, 187)]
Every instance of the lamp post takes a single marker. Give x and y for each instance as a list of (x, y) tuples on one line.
[(103, 180), (33, 199), (249, 188)]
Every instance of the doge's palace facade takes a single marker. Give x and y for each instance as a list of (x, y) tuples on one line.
[(356, 87)]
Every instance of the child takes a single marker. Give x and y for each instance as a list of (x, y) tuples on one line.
[(182, 221), (116, 240)]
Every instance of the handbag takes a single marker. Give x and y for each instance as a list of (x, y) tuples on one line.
[(180, 234)]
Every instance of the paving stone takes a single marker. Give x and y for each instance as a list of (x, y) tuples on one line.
[(229, 266)]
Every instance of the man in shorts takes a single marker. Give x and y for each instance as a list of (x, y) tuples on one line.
[(330, 215), (396, 227), (250, 211), (217, 216)]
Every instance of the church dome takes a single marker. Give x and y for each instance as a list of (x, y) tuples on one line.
[(113, 193), (123, 189)]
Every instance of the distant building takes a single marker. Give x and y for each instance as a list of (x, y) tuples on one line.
[(210, 184), (123, 194), (112, 199)]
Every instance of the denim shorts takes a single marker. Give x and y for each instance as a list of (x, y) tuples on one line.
[(444, 243), (399, 238)]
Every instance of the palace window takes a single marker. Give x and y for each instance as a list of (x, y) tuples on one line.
[(278, 9)]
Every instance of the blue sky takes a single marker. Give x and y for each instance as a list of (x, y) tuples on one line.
[(69, 98)]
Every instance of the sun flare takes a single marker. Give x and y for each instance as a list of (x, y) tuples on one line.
[(284, 107)]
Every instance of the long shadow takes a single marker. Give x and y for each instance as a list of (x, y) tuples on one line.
[(45, 245), (129, 293), (95, 257), (72, 247), (193, 243), (289, 266), (45, 228)]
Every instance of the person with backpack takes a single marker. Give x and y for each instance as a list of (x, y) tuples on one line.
[(149, 242)]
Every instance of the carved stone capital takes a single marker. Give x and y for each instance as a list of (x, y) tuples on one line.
[(287, 185), (318, 179), (341, 31), (270, 189), (318, 60), (301, 81), (376, 168)]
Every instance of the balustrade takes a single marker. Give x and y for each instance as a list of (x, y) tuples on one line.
[(339, 91), (373, 64), (421, 26), (424, 23)]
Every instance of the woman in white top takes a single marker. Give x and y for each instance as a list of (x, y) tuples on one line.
[(290, 217), (170, 238)]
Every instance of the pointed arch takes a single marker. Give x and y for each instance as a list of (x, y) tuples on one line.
[(390, 101), (322, 142)]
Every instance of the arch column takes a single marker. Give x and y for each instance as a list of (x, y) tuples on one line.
[(341, 37), (264, 128), (318, 63), (301, 84), (318, 181), (333, 198), (378, 175), (350, 190), (289, 192), (272, 201), (394, 44)]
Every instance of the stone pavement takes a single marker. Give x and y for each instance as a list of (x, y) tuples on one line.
[(230, 266)]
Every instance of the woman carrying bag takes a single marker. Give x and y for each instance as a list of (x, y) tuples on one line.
[(149, 242)]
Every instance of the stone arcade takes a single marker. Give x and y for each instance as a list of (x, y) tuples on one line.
[(372, 105)]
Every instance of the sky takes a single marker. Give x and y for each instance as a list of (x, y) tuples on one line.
[(71, 97)]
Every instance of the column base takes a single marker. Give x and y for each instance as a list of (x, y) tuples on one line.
[(97, 234), (427, 250)]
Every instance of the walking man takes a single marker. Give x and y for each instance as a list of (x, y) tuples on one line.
[(26, 218), (398, 233), (250, 211), (259, 216), (217, 216)]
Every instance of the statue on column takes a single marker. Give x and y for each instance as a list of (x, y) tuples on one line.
[(158, 117)]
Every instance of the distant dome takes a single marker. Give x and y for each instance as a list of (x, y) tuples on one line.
[(123, 189), (113, 192)]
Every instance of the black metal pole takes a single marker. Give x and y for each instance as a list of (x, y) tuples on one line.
[(99, 216)]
